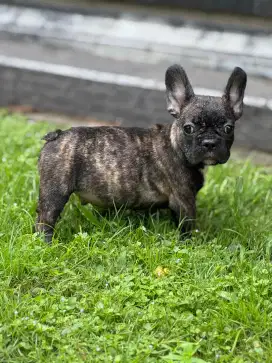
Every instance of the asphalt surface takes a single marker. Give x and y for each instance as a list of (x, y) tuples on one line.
[(129, 62)]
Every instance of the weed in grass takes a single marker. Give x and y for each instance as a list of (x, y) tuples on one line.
[(95, 296)]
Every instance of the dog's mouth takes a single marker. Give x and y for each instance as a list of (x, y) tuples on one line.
[(211, 158), (210, 161)]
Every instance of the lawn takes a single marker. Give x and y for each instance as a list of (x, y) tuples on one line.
[(122, 288)]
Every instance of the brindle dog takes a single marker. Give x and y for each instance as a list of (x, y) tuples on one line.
[(139, 168)]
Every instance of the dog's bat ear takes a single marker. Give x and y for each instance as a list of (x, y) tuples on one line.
[(234, 91), (178, 89)]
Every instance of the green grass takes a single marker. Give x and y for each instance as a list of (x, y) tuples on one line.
[(93, 295)]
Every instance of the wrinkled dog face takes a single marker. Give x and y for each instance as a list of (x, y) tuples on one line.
[(204, 129), (206, 133)]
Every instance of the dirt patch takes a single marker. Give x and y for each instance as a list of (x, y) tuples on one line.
[(255, 156), (37, 116)]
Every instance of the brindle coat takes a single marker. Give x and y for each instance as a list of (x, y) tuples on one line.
[(139, 168)]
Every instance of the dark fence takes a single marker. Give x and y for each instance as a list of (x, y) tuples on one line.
[(262, 8), (243, 7)]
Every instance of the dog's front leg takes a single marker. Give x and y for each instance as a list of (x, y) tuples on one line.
[(51, 203), (184, 212)]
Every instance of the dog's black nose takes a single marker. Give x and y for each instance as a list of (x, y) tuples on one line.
[(209, 144)]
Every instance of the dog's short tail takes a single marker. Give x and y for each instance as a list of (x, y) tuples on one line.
[(53, 135)]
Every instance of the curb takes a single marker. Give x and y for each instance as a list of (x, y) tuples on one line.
[(114, 78)]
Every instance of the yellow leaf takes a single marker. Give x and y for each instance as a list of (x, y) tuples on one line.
[(161, 271)]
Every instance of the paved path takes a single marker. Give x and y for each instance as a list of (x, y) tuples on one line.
[(150, 39), (120, 68)]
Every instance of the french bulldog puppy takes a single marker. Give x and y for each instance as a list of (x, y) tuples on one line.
[(142, 168)]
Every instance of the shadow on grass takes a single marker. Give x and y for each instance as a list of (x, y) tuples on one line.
[(86, 218)]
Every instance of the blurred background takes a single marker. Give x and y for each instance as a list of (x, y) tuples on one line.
[(93, 63)]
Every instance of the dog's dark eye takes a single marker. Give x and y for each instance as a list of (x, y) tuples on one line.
[(228, 129), (189, 129)]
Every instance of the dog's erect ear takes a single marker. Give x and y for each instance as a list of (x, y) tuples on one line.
[(234, 91), (178, 89)]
